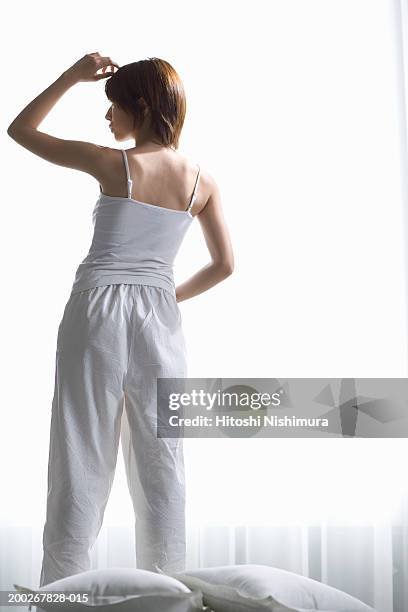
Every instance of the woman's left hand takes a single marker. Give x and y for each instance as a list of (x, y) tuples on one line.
[(85, 69)]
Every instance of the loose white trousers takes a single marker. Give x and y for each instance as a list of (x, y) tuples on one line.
[(114, 341)]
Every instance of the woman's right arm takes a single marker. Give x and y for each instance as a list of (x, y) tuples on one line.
[(218, 242)]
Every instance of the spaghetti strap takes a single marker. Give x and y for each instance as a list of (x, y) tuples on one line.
[(193, 197), (129, 180)]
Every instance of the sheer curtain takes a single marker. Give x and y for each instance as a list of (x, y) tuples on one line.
[(299, 110), (353, 535)]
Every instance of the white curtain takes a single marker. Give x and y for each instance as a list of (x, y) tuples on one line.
[(307, 136), (338, 517)]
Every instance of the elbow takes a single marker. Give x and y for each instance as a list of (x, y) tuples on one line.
[(13, 129), (227, 268), (10, 130)]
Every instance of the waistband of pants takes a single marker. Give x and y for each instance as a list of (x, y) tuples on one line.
[(134, 279)]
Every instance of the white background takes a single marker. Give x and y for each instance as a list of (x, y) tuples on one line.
[(295, 108)]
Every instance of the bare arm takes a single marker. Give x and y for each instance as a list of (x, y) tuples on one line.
[(74, 154), (218, 242)]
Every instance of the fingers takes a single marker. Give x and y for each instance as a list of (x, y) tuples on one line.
[(105, 67), (102, 62), (98, 77), (106, 61)]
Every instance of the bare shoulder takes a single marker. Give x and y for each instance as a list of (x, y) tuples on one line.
[(211, 196), (107, 155), (185, 167), (207, 190), (110, 162), (110, 154)]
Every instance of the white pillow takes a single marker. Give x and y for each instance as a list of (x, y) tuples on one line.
[(120, 589), (232, 588)]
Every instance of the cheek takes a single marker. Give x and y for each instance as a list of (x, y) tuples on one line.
[(119, 118), (125, 119)]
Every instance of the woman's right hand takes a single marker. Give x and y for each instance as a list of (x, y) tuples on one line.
[(85, 68)]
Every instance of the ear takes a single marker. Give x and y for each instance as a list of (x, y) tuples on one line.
[(142, 102)]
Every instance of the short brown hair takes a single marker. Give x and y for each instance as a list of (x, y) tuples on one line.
[(157, 82)]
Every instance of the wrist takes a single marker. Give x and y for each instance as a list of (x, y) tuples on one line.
[(69, 78)]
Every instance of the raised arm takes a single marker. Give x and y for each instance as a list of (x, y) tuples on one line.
[(219, 245), (74, 154)]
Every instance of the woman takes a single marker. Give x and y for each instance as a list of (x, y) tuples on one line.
[(121, 328)]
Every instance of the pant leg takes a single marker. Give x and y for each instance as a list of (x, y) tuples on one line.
[(154, 466), (91, 361)]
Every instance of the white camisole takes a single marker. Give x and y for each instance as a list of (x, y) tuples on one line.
[(133, 242)]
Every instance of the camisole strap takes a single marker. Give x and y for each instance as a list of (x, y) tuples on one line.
[(129, 180), (193, 197)]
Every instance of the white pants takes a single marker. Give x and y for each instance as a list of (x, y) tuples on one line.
[(113, 343)]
